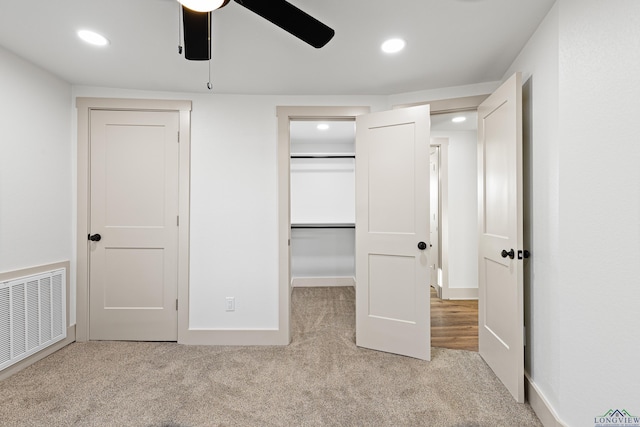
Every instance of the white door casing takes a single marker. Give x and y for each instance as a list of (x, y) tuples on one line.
[(500, 280), (434, 214), (392, 217), (134, 206)]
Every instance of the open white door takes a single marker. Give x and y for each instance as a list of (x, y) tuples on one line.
[(392, 232), (500, 281)]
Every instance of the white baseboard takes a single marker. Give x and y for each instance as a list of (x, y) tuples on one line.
[(459, 293), (235, 337), (24, 363), (438, 289), (540, 405), (309, 282)]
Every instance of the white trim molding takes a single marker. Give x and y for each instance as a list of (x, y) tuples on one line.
[(460, 293), (285, 115), (84, 106), (541, 406)]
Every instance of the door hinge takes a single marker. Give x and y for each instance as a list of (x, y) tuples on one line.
[(524, 335), (178, 220), (178, 137), (176, 304), (289, 242)]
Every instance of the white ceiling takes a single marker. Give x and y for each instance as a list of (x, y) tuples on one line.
[(442, 122), (449, 43)]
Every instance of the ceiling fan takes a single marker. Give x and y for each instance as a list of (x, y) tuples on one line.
[(197, 23)]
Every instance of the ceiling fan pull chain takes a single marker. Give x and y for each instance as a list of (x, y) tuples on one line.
[(179, 29), (209, 85)]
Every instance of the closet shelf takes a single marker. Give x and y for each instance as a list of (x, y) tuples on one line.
[(323, 156), (318, 225)]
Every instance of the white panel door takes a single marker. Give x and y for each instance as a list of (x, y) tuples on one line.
[(392, 221), (501, 318), (133, 269)]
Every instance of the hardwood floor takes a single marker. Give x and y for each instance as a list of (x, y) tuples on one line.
[(454, 323)]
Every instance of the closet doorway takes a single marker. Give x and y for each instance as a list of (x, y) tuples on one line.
[(287, 115), (453, 164), (322, 202)]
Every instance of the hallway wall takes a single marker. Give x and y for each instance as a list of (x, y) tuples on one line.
[(35, 166), (581, 95)]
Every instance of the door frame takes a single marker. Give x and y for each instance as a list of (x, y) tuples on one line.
[(285, 115), (443, 106), (442, 143), (84, 107)]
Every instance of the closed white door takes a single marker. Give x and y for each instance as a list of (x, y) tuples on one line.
[(133, 270), (434, 218), (500, 281), (392, 232)]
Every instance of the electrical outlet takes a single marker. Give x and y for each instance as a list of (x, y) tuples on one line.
[(231, 304)]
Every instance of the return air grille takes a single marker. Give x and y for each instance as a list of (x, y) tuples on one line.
[(32, 315)]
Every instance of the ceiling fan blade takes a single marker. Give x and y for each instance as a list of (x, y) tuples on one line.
[(197, 34), (291, 19)]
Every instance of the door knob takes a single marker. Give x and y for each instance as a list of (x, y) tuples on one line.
[(95, 237), (422, 246), (511, 254)]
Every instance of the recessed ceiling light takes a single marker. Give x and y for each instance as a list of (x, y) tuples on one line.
[(393, 45), (323, 126), (459, 119), (93, 38)]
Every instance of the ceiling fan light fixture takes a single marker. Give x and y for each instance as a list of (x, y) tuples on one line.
[(203, 5)]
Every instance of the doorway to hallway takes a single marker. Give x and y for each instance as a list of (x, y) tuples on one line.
[(454, 323)]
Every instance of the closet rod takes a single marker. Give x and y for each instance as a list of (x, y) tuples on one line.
[(323, 226), (295, 156)]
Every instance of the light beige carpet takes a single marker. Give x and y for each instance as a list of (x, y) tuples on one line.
[(321, 379)]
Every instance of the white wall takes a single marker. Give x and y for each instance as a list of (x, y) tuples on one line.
[(539, 65), (584, 202), (463, 208), (599, 92), (584, 207), (323, 191), (323, 253), (233, 250), (35, 166)]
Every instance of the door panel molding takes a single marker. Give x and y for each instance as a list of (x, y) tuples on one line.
[(84, 107)]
